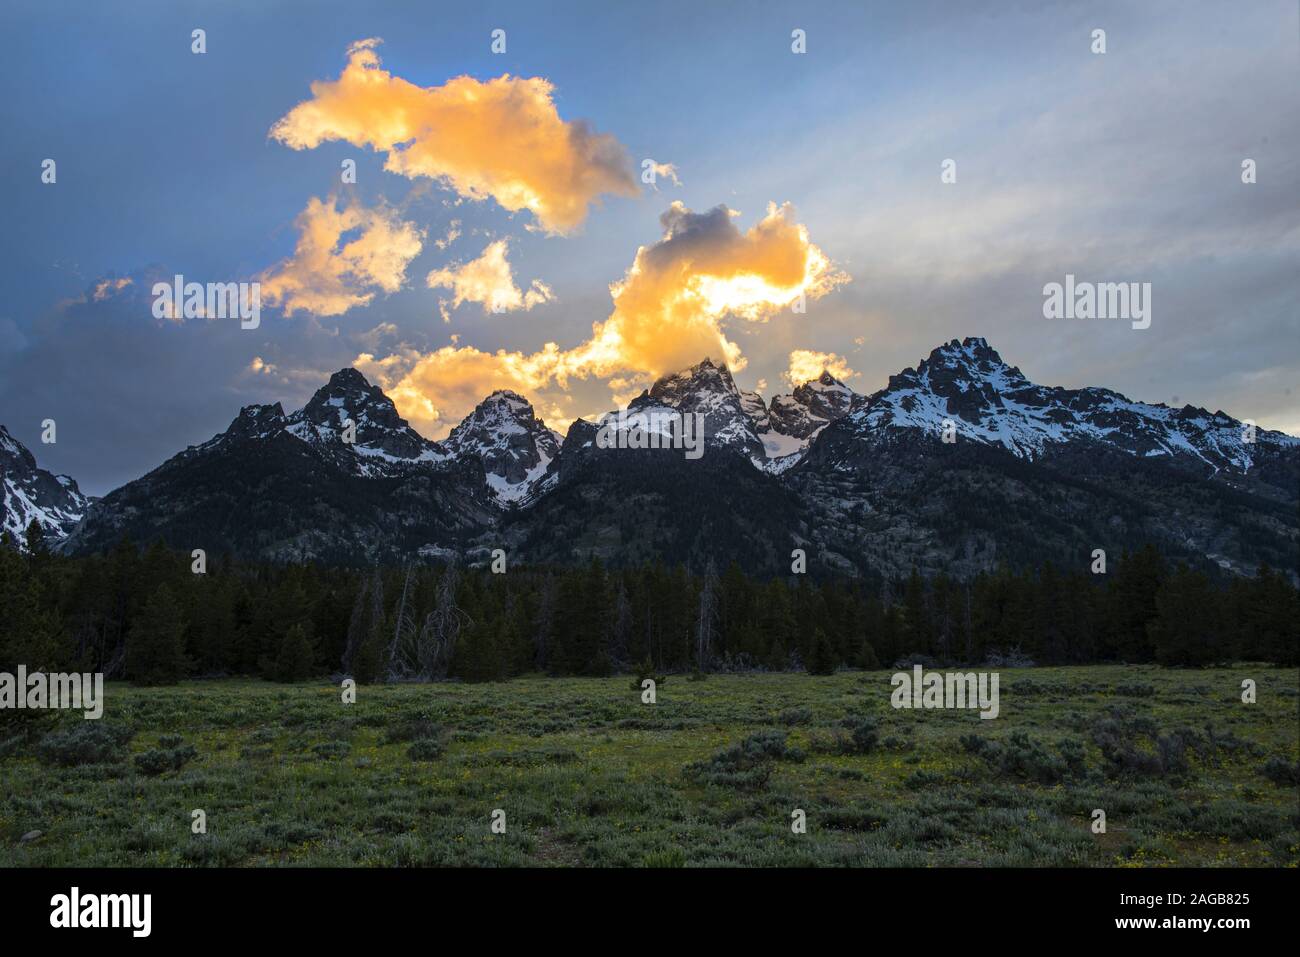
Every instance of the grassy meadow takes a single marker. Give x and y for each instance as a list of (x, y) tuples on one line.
[(709, 775)]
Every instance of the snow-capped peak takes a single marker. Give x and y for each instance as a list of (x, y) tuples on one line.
[(513, 445), (789, 424), (708, 389), (32, 493), (968, 384)]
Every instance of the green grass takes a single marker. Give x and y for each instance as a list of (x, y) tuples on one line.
[(588, 775)]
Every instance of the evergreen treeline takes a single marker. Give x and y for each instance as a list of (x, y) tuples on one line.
[(145, 615)]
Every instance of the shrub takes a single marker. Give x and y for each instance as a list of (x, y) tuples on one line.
[(668, 857), (747, 764), (425, 749), (1118, 737), (1020, 756), (331, 750), (853, 818), (922, 779), (414, 729), (793, 716), (914, 659), (646, 669), (159, 760), (1281, 772), (862, 734), (88, 742), (1012, 658), (1075, 757)]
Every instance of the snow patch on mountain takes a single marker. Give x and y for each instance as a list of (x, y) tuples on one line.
[(967, 384), (31, 493), (513, 445)]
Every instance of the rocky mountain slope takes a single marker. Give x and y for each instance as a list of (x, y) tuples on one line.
[(960, 463), (30, 493), (1040, 473)]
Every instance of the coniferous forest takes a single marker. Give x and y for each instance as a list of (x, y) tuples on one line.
[(144, 614)]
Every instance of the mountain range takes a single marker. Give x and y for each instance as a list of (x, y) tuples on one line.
[(960, 463)]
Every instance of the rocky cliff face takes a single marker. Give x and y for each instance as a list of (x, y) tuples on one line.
[(32, 494)]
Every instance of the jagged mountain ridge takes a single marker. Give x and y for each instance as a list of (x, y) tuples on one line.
[(989, 401), (772, 437), (864, 482), (344, 479), (513, 445), (31, 493)]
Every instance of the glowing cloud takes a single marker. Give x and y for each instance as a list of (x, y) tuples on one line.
[(453, 234), (434, 391), (806, 365), (487, 280), (327, 276), (670, 305), (501, 138), (108, 287), (668, 313)]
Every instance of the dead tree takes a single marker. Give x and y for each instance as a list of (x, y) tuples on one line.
[(401, 660), (441, 630), (707, 618), (367, 617)]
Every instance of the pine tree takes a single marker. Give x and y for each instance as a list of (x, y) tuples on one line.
[(156, 647), (1183, 631), (31, 627), (916, 620), (867, 659), (735, 612), (821, 655), (296, 661), (37, 548), (1133, 603)]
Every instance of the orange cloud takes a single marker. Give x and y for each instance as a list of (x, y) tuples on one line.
[(435, 390), (501, 138), (670, 305), (326, 276), (108, 287), (807, 364), (668, 313), (453, 234), (487, 280)]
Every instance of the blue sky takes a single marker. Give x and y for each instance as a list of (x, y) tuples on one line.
[(1116, 167)]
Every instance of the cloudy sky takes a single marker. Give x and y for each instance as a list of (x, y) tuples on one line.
[(500, 232)]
